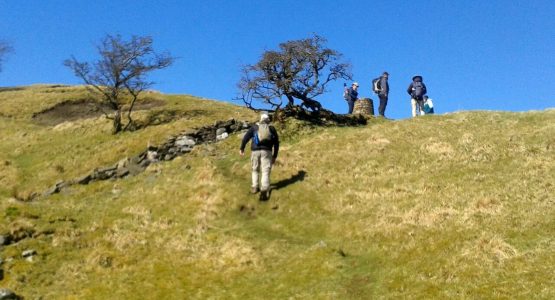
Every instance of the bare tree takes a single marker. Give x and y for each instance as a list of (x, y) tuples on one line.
[(5, 48), (300, 69), (119, 76)]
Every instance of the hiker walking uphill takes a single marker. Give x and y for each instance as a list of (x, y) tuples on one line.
[(380, 86), (264, 139), (351, 95), (417, 90)]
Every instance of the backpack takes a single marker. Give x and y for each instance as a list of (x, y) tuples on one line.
[(418, 90), (376, 86), (263, 134), (346, 94), (429, 106)]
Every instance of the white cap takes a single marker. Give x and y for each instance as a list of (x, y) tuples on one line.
[(264, 118), (355, 83)]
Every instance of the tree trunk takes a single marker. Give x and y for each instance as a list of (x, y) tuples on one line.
[(131, 124), (117, 122)]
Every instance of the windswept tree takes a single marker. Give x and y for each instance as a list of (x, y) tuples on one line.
[(119, 76), (5, 48), (300, 69)]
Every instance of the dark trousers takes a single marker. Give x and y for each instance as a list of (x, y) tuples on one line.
[(383, 104), (351, 106)]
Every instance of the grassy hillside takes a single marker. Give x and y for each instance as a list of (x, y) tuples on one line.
[(452, 206)]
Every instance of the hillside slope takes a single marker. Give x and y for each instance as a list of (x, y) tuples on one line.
[(450, 206)]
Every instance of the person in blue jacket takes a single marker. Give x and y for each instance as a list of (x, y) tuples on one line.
[(352, 96)]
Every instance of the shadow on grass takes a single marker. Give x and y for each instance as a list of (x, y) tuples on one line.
[(285, 182)]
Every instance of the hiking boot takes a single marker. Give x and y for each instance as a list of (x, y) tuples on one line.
[(254, 190), (264, 195)]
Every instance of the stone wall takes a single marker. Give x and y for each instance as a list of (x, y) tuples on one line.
[(176, 145)]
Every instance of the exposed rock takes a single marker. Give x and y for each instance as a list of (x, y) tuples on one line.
[(122, 172), (29, 253), (152, 155), (174, 146), (222, 136), (122, 163), (220, 131), (83, 179), (185, 141), (57, 187)]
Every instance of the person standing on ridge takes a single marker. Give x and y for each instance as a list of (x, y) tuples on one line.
[(417, 90), (351, 95), (380, 86), (264, 138)]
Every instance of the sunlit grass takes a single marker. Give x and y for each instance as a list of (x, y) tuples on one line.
[(452, 206)]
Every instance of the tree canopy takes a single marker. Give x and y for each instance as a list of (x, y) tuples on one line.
[(120, 72), (300, 69)]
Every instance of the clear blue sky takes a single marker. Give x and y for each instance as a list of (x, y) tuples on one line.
[(493, 55)]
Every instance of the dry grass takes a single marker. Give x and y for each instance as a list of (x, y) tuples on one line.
[(455, 206)]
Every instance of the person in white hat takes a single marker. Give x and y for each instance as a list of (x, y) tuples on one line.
[(264, 139), (352, 96)]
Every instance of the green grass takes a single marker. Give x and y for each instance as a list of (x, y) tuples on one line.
[(446, 206)]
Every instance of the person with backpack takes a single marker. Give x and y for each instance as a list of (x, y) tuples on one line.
[(264, 138), (428, 106), (351, 95), (380, 86), (417, 90)]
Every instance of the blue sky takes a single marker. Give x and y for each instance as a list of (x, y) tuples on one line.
[(473, 55)]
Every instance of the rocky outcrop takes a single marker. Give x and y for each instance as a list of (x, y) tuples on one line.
[(174, 146)]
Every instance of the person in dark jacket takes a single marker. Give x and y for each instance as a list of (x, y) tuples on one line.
[(417, 90), (262, 157), (384, 93), (352, 96)]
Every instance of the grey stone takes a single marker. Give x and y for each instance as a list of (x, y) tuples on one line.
[(7, 294), (107, 169), (222, 136), (122, 163), (220, 131), (185, 141), (84, 179), (28, 253), (104, 174), (186, 149), (122, 172), (152, 155), (53, 190)]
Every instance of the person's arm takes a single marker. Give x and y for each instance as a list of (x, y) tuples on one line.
[(409, 90), (245, 140), (275, 142), (384, 86)]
